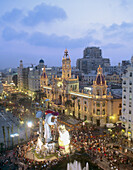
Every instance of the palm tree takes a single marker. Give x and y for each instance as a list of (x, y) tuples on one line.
[(4, 135), (8, 136), (1, 146), (12, 137)]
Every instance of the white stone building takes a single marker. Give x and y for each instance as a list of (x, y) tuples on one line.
[(127, 102), (34, 77)]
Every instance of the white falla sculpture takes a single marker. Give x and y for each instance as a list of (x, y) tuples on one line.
[(39, 143), (49, 120), (64, 138)]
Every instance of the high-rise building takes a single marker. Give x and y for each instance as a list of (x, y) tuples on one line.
[(25, 73), (92, 58), (20, 77), (34, 77), (127, 102), (1, 85)]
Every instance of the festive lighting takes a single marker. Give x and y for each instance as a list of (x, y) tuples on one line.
[(29, 124)]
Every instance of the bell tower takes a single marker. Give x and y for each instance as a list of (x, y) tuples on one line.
[(44, 78), (99, 86), (66, 66)]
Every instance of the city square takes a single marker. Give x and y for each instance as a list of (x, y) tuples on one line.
[(66, 85)]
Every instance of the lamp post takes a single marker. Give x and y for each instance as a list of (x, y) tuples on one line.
[(30, 124)]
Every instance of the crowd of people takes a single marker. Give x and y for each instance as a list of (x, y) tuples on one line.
[(98, 146)]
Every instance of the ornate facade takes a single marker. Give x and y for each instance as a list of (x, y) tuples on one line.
[(98, 108)]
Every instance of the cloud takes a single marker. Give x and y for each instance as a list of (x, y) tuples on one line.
[(113, 46), (44, 40), (12, 16), (10, 34), (121, 32), (43, 13), (40, 39)]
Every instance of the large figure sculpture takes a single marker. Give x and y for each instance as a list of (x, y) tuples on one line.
[(50, 119), (64, 138)]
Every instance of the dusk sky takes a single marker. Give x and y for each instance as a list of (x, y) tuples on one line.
[(35, 29)]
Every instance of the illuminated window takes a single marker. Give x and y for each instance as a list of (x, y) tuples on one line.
[(98, 111), (98, 104)]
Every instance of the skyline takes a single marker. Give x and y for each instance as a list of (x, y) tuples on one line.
[(44, 29)]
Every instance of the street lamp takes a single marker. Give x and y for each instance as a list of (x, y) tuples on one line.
[(29, 124)]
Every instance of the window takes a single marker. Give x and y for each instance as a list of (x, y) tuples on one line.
[(124, 104), (119, 112), (124, 89), (124, 82), (130, 112), (93, 110), (124, 97), (130, 90), (98, 111), (104, 92), (130, 97), (98, 104), (103, 111), (104, 104), (129, 120), (84, 102), (124, 109), (130, 83), (120, 105), (129, 126), (130, 74), (84, 108), (130, 104), (79, 107), (85, 117), (98, 93)]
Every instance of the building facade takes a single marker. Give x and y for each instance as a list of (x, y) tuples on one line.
[(20, 77), (97, 107), (92, 58), (127, 102)]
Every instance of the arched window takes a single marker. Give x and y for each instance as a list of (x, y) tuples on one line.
[(98, 93)]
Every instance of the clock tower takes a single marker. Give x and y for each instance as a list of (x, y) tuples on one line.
[(66, 66)]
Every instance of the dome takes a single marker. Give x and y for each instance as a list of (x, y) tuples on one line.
[(100, 79), (41, 61)]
